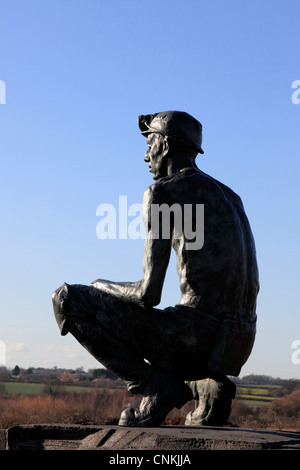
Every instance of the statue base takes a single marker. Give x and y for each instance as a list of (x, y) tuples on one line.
[(163, 438)]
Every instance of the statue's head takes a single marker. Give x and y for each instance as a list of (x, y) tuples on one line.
[(168, 133)]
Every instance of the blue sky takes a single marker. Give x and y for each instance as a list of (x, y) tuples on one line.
[(77, 75)]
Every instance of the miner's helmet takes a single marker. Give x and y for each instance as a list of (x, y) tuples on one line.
[(178, 125)]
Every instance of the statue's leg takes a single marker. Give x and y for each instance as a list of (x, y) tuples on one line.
[(184, 347), (162, 393), (97, 321), (121, 335), (214, 397)]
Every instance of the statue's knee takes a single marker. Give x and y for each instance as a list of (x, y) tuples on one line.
[(59, 300), (60, 294)]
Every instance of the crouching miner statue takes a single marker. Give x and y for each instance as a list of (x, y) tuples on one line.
[(172, 355)]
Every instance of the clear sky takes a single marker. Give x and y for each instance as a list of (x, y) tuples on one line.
[(77, 74)]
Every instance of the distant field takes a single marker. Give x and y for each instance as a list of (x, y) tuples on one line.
[(255, 395), (251, 395), (32, 389)]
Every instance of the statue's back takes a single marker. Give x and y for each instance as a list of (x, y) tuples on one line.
[(222, 275)]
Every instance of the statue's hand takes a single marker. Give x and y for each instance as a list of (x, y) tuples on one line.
[(98, 284), (114, 288)]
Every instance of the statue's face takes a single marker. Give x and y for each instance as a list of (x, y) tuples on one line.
[(155, 156)]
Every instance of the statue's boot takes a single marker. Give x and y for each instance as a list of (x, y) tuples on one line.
[(215, 397), (161, 394)]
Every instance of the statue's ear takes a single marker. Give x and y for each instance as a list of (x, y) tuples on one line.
[(166, 145)]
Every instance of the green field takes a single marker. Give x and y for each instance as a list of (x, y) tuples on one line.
[(30, 389), (256, 395)]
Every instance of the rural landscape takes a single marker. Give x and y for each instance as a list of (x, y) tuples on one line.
[(95, 397)]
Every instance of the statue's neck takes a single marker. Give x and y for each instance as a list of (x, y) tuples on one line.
[(175, 165)]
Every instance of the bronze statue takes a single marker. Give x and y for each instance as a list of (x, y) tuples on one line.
[(185, 351)]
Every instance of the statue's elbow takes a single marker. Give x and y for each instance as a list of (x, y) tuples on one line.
[(149, 299)]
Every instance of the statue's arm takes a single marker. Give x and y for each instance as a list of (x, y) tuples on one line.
[(147, 291)]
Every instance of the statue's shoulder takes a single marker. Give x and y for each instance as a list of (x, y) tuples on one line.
[(219, 187), (195, 183), (228, 192), (157, 189), (169, 187)]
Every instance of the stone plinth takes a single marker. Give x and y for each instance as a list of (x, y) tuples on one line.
[(164, 438)]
